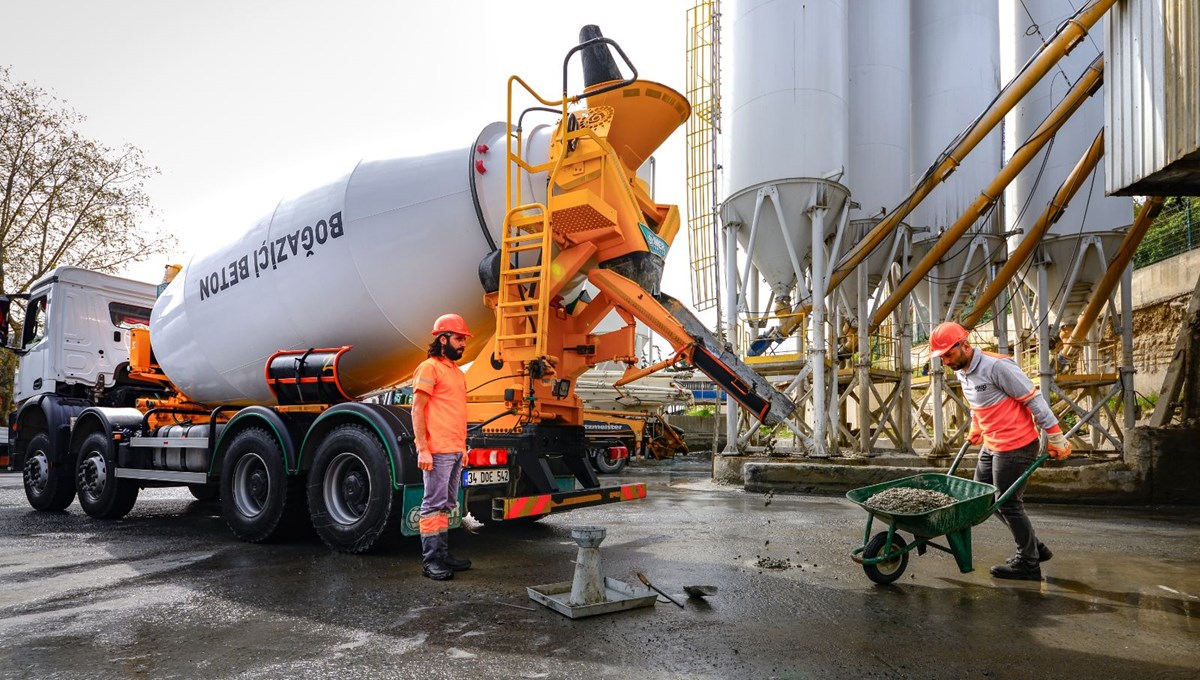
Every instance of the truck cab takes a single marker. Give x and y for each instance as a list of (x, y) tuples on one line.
[(75, 336)]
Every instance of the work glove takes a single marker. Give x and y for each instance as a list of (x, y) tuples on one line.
[(975, 436), (1057, 445), (425, 461)]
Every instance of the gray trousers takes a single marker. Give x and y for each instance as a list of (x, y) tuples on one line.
[(441, 495), (1001, 470)]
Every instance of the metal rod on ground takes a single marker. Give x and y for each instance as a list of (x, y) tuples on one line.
[(643, 579)]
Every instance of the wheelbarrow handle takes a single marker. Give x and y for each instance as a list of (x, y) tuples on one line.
[(958, 459), (1016, 486)]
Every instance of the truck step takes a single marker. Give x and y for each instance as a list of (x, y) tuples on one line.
[(164, 476)]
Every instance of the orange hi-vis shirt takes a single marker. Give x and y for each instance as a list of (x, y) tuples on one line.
[(1004, 403), (446, 415)]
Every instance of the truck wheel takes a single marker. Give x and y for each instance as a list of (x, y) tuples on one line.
[(884, 573), (258, 499), (350, 494), (101, 494), (47, 486), (605, 463)]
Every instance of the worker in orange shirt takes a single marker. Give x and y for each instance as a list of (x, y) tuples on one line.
[(439, 415), (1006, 412)]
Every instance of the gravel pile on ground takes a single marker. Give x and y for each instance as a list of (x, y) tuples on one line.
[(908, 501), (773, 563)]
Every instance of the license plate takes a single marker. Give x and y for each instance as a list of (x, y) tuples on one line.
[(485, 476)]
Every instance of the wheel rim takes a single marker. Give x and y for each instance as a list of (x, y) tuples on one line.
[(92, 475), (251, 485), (37, 472), (347, 488), (891, 566)]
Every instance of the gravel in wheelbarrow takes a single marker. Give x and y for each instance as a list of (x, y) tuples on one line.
[(971, 501)]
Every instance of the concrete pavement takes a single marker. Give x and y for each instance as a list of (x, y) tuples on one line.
[(168, 592)]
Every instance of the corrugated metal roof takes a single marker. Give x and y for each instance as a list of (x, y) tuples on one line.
[(1152, 97)]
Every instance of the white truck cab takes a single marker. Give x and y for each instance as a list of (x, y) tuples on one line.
[(88, 315)]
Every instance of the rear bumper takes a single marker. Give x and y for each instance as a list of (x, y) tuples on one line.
[(544, 504)]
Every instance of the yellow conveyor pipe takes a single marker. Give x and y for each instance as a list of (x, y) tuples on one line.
[(1087, 85), (1049, 216), (1069, 34)]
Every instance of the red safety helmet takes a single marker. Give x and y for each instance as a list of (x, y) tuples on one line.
[(450, 323), (945, 336)]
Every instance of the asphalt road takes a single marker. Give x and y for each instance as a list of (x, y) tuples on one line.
[(168, 592)]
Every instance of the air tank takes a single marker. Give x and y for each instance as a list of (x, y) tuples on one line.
[(369, 260), (788, 133)]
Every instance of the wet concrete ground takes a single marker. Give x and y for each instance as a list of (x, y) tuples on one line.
[(169, 593)]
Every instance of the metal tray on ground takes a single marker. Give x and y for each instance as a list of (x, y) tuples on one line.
[(620, 596)]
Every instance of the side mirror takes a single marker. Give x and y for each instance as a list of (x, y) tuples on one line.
[(5, 303)]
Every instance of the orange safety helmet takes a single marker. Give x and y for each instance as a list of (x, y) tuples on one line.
[(450, 323), (944, 336)]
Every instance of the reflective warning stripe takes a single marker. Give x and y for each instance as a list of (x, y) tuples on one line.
[(527, 506), (434, 524), (630, 492)]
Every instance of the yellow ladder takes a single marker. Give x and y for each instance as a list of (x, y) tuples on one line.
[(704, 91), (522, 308)]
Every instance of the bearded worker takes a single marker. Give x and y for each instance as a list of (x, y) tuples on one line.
[(439, 415), (1006, 411)]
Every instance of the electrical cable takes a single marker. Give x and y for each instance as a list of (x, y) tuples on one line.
[(503, 377)]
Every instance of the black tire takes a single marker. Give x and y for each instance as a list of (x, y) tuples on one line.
[(48, 485), (885, 572), (350, 497), (101, 494), (259, 501), (605, 464), (205, 492)]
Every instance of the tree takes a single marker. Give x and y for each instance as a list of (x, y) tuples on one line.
[(67, 199)]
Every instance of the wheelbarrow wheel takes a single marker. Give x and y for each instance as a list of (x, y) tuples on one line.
[(886, 572)]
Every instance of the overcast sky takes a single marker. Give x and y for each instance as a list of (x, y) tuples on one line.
[(241, 103)]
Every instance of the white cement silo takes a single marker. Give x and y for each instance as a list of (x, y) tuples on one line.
[(788, 130), (788, 139), (955, 76), (880, 104)]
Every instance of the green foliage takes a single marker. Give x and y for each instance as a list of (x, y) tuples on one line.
[(66, 199), (1175, 230), (701, 411)]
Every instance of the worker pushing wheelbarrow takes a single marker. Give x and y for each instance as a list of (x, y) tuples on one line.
[(1007, 410), (884, 557)]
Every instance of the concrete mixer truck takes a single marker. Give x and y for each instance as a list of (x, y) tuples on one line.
[(242, 378)]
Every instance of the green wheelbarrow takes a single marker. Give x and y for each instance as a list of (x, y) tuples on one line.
[(884, 557)]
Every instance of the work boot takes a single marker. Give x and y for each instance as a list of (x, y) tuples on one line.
[(1017, 570), (1044, 553), (437, 571), (455, 564)]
